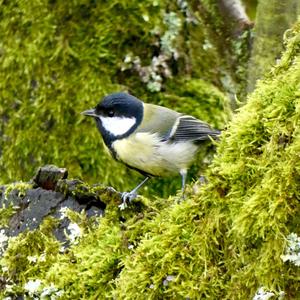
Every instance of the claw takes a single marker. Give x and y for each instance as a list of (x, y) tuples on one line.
[(127, 197)]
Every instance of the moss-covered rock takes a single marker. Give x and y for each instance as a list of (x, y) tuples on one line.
[(37, 261)]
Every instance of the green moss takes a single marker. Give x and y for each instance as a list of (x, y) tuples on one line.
[(20, 187), (5, 215), (101, 249), (199, 98), (104, 247), (226, 242), (8, 209), (29, 254)]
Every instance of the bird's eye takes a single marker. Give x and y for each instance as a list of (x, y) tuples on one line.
[(111, 113)]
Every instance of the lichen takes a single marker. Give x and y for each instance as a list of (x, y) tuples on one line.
[(292, 252), (3, 241), (27, 255), (230, 40), (159, 69)]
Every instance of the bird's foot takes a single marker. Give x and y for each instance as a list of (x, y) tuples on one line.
[(127, 197), (181, 198)]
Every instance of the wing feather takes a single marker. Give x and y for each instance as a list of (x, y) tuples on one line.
[(173, 126), (188, 128)]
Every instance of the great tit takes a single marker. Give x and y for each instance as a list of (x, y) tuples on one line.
[(151, 139)]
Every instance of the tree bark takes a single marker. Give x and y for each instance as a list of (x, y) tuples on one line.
[(273, 18), (230, 32)]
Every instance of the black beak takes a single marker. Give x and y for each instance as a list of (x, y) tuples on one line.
[(90, 112)]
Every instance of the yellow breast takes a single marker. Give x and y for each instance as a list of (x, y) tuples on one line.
[(148, 153)]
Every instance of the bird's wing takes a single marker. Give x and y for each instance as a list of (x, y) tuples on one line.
[(188, 128), (158, 120), (173, 126)]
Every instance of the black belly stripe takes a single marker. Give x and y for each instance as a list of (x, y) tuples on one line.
[(138, 170)]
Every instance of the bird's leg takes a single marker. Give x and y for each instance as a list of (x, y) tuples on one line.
[(129, 196), (183, 173), (139, 185)]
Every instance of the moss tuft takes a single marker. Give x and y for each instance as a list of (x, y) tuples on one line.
[(28, 254), (19, 187), (5, 215)]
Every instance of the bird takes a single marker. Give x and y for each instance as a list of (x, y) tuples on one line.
[(154, 140)]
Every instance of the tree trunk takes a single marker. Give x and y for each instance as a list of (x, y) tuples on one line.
[(273, 18), (230, 32)]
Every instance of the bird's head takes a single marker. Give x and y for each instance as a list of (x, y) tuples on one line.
[(117, 115)]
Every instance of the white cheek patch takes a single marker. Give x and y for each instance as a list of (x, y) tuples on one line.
[(117, 125)]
